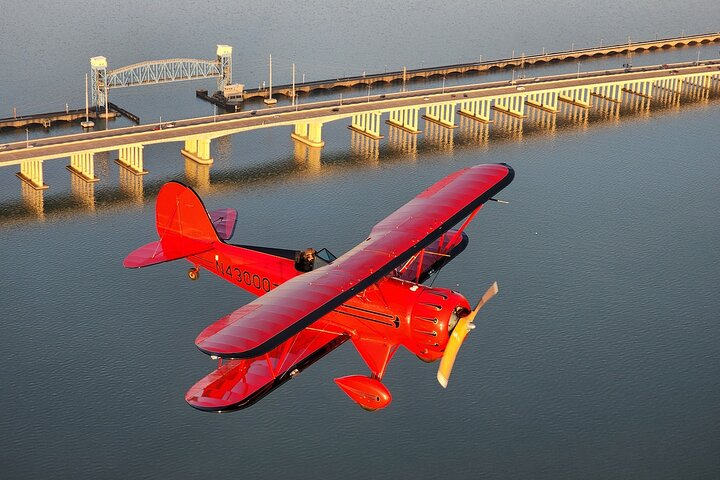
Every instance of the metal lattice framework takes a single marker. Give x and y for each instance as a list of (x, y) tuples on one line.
[(159, 71)]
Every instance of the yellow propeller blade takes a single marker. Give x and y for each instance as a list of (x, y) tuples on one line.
[(458, 335)]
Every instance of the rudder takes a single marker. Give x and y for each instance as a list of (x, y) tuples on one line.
[(183, 225)]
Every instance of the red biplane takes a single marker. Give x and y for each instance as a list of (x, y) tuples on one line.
[(312, 302)]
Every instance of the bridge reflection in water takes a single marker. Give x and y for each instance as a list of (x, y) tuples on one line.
[(306, 162), (506, 106)]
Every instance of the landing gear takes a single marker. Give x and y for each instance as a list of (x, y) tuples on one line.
[(193, 273)]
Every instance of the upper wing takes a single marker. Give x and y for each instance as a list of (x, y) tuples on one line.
[(271, 319)]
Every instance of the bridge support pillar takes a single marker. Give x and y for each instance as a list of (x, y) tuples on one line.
[(443, 115), (513, 106), (367, 124), (405, 119), (83, 166), (641, 89), (31, 173), (545, 101), (476, 109), (580, 97), (698, 81), (612, 93), (131, 159), (309, 133), (198, 150)]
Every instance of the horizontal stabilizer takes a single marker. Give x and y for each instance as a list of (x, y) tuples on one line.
[(224, 221), (153, 253)]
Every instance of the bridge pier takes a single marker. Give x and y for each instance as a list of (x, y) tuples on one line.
[(82, 165), (511, 105), (367, 124), (443, 115), (309, 133), (31, 173), (198, 150), (130, 157), (405, 119), (580, 97), (670, 84), (698, 81), (610, 92), (545, 101), (476, 109), (641, 89)]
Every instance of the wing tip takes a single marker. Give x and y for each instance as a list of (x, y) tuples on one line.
[(442, 380)]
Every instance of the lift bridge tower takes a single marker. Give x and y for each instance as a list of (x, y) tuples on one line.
[(158, 71)]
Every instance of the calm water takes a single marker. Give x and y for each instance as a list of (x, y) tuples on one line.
[(600, 357)]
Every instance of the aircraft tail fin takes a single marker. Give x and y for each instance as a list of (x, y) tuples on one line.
[(184, 226)]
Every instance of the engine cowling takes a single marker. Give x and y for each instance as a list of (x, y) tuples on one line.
[(434, 315)]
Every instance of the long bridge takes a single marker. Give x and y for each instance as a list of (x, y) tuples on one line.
[(478, 102), (515, 61)]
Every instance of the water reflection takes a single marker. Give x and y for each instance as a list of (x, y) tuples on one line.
[(402, 142), (471, 130), (307, 157), (308, 162), (84, 192), (223, 150), (364, 146), (197, 175), (32, 199), (510, 126), (440, 136)]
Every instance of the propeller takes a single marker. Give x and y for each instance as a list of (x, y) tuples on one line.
[(458, 335)]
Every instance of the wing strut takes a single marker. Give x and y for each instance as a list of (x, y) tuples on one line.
[(467, 222)]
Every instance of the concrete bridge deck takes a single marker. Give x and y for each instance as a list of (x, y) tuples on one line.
[(440, 105)]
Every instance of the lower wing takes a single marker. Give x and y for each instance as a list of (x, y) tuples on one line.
[(239, 383)]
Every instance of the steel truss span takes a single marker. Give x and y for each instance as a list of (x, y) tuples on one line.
[(161, 71)]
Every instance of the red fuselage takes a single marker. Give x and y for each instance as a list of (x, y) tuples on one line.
[(392, 311)]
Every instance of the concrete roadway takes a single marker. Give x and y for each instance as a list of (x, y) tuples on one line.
[(105, 140)]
